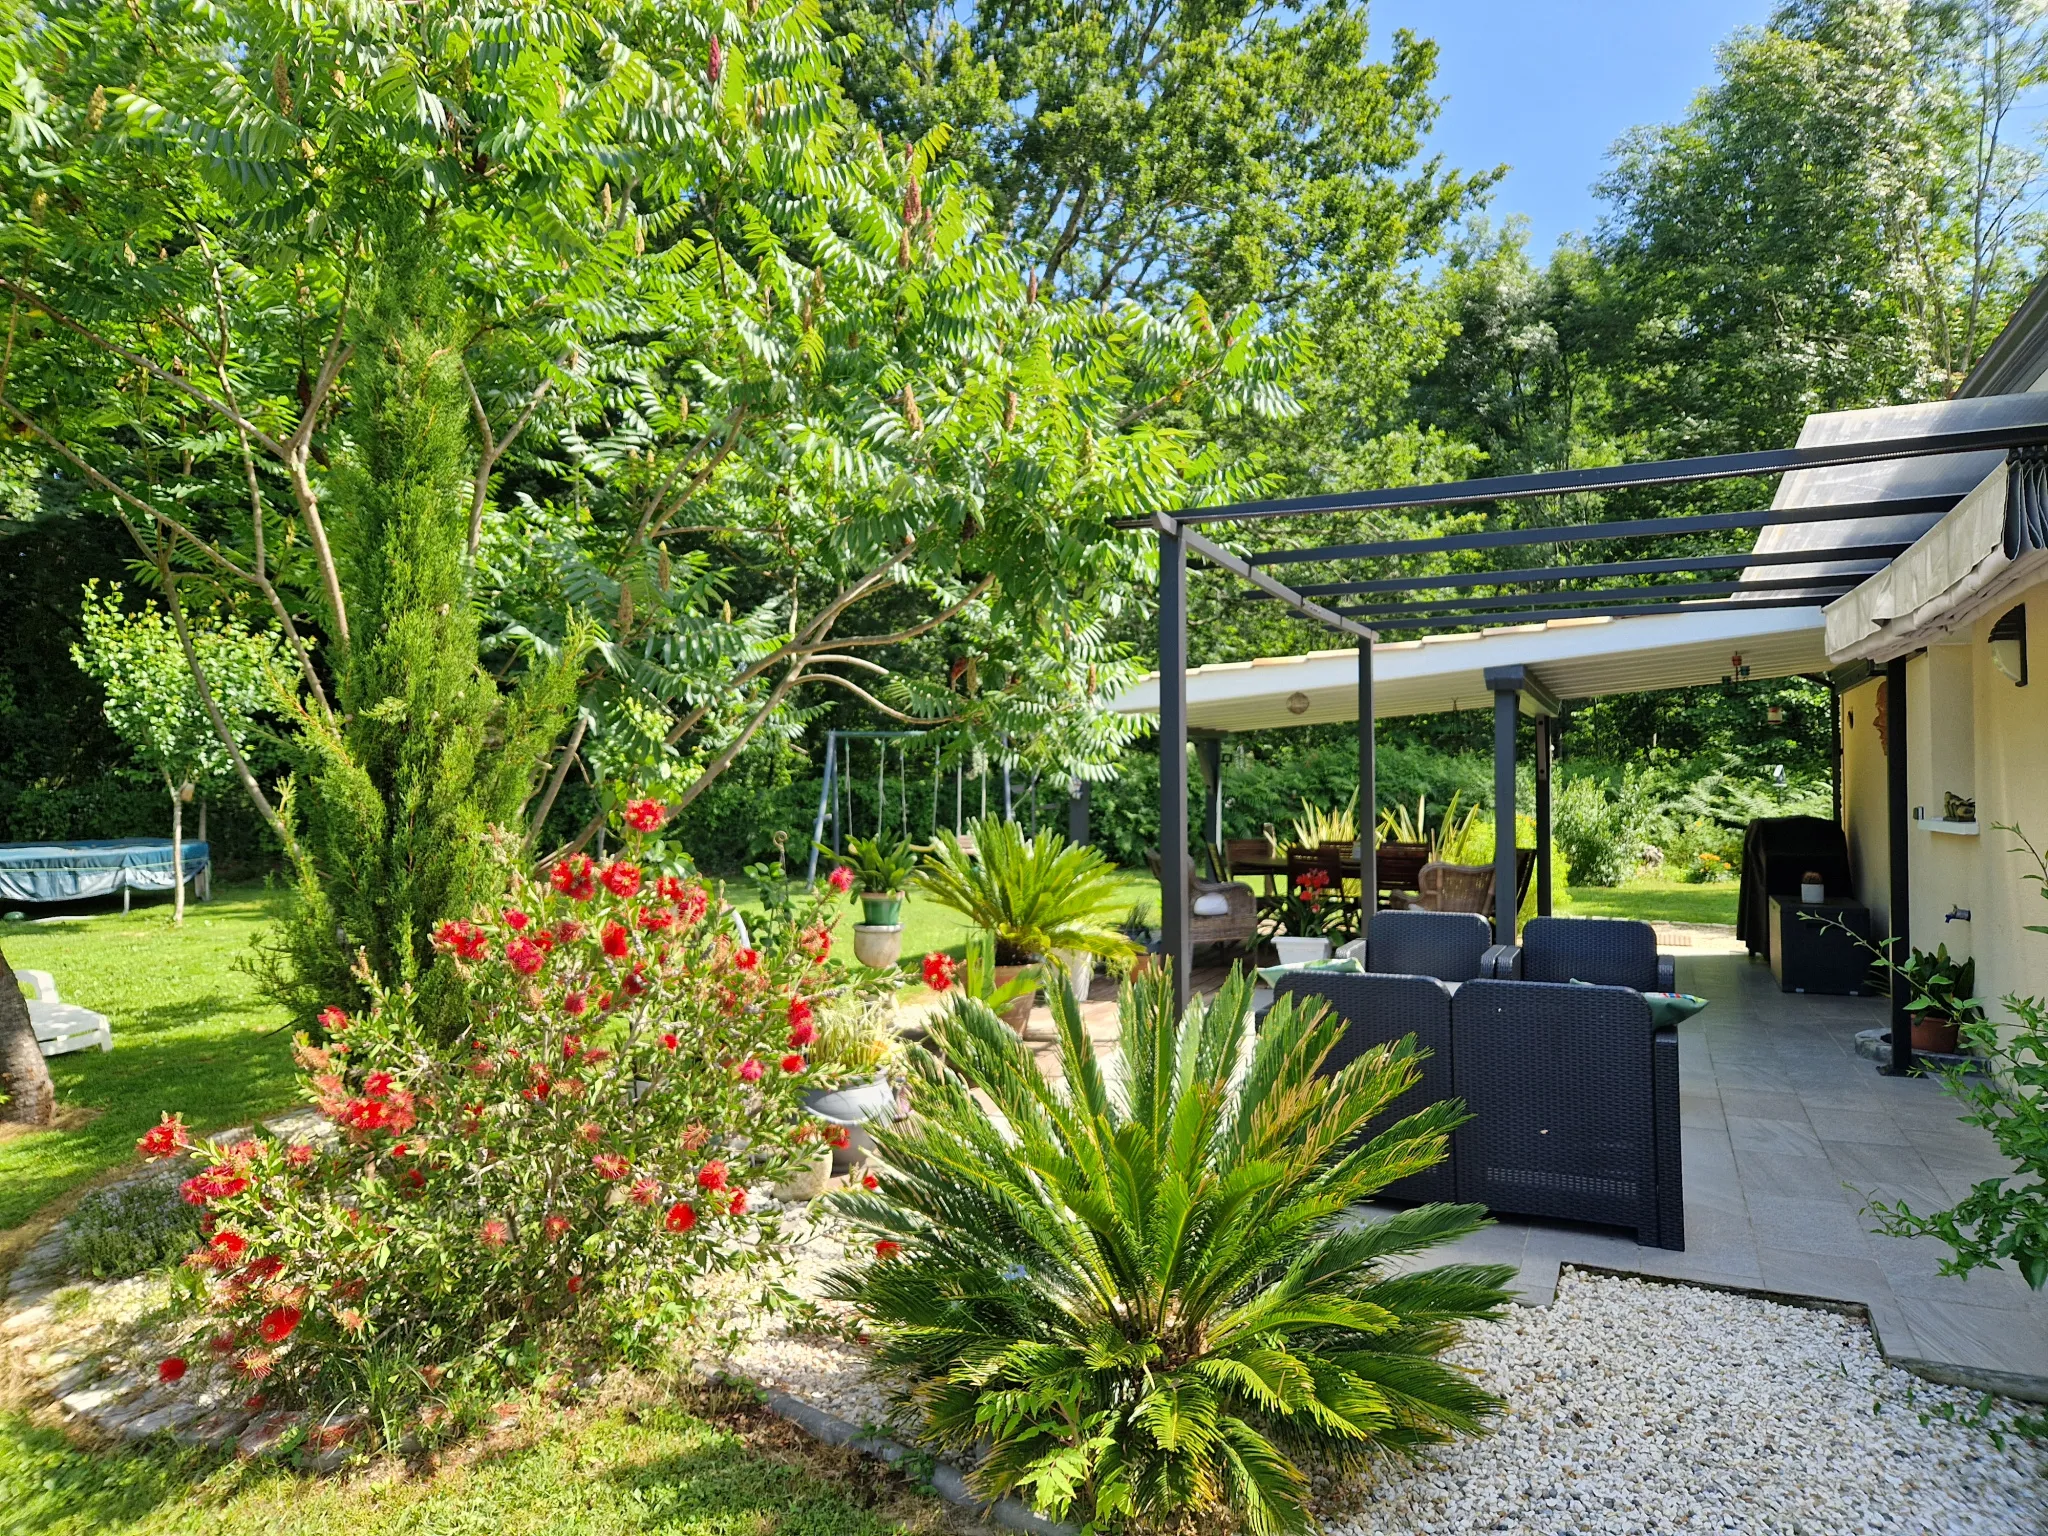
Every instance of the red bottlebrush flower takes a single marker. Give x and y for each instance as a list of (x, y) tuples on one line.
[(792, 1063), (568, 931), (572, 1047), (591, 1132), (606, 1002), (462, 938), (300, 1154), (617, 942), (644, 1190), (817, 943), (750, 1071), (805, 1134), (694, 1136), (621, 878), (171, 1370), (714, 60), (939, 968), (377, 1085), (645, 815), (747, 959), (692, 902), (869, 1181), (669, 1042), (228, 1247), (278, 1323), (538, 1089), (574, 878), (525, 956), (415, 1180), (802, 1035), (554, 1225), (496, 1232), (800, 1012), (681, 1217), (636, 980), (838, 1137), (574, 1003), (217, 1183), (575, 1285), (738, 1205), (841, 879), (887, 1248), (515, 919), (167, 1139), (350, 1319), (657, 919), (712, 1175), (611, 1165), (333, 1020), (268, 1267), (221, 1343)]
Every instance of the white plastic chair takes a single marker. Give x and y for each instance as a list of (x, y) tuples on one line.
[(62, 1026)]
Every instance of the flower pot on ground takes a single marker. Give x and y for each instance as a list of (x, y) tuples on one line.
[(852, 1108), (1079, 966), (1017, 1011), (878, 945), (811, 1180), (1932, 1032), (1938, 997), (1033, 896), (1293, 949), (881, 909)]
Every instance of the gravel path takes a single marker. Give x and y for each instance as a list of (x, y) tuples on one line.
[(1636, 1408)]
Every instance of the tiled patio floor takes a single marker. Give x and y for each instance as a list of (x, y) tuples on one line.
[(1786, 1133)]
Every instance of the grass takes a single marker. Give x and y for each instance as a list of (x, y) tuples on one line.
[(616, 1471), (1668, 901), (190, 1034)]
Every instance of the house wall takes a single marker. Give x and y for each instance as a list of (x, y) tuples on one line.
[(1972, 731)]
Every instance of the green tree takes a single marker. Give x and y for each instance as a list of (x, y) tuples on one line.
[(182, 693)]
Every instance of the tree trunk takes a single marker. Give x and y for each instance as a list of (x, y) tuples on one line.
[(31, 1100), (177, 852)]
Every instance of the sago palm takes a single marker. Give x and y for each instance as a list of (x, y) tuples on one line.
[(1034, 895), (1142, 1291)]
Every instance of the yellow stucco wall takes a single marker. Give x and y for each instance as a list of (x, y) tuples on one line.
[(1863, 804), (2011, 748)]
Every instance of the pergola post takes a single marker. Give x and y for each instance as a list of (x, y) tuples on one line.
[(1506, 708), (1077, 811), (1174, 918), (1368, 795), (1543, 729), (1210, 751), (1899, 831)]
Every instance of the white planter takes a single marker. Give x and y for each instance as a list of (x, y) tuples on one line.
[(878, 945), (808, 1182), (1297, 951), (853, 1106), (1811, 893), (1080, 968)]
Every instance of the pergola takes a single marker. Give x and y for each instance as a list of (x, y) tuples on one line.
[(1813, 548)]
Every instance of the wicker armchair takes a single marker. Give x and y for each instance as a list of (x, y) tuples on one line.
[(1607, 951), (1237, 924), (1376, 1011), (1574, 1105), (1451, 946), (1469, 887)]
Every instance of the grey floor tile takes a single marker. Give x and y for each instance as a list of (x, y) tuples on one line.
[(1775, 1174), (1870, 1123), (1987, 1338), (1783, 1138), (1893, 1171), (1829, 1276)]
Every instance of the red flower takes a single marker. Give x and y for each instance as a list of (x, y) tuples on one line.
[(669, 1042), (750, 1071), (739, 1203), (839, 1137), (657, 919), (887, 1248), (575, 1284), (711, 1175), (644, 1190), (817, 943), (573, 877), (714, 60), (567, 931), (515, 919), (681, 1217), (221, 1343), (799, 1012), (217, 1183), (841, 879), (636, 979), (555, 1225), (525, 956), (228, 1247), (611, 1165), (792, 1063), (278, 1323), (462, 938), (572, 1047), (333, 1020), (538, 1089), (938, 970), (269, 1267), (645, 815), (802, 1035), (747, 959), (617, 942), (168, 1139), (869, 1181), (377, 1085), (300, 1154), (621, 878), (170, 1370), (575, 1003), (494, 1233), (692, 902), (591, 1132)]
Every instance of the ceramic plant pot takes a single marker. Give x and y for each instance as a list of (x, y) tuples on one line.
[(1291, 950), (1931, 1032), (879, 945), (855, 1106), (881, 909), (810, 1181), (1079, 968), (1018, 1013)]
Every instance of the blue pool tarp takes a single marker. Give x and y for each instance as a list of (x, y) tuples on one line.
[(97, 866)]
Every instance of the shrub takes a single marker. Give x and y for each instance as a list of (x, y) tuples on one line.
[(1035, 895), (130, 1229), (1602, 834), (558, 1187), (1147, 1302)]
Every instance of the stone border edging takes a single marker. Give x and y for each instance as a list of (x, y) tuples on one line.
[(830, 1429)]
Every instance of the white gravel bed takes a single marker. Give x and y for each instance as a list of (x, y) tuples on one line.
[(1636, 1407), (1633, 1408)]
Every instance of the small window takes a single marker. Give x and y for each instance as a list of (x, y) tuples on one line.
[(2009, 645)]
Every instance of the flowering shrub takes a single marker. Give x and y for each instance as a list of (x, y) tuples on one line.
[(559, 1186)]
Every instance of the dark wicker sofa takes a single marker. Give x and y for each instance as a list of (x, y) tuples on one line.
[(1607, 951), (1451, 946)]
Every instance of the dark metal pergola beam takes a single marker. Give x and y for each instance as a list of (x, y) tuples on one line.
[(1448, 580), (1639, 611), (1676, 591), (1619, 477), (1631, 528)]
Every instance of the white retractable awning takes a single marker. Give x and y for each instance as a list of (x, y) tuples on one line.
[(1571, 658)]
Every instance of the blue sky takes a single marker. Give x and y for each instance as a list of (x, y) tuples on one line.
[(1547, 86)]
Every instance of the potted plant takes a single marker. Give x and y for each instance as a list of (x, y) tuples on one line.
[(1139, 927), (1305, 920), (882, 867), (1940, 1002), (854, 1050), (1033, 896), (1008, 995)]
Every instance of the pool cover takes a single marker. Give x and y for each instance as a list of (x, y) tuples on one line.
[(97, 866)]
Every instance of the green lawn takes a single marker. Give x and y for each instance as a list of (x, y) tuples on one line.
[(190, 1034), (1670, 901), (658, 1470)]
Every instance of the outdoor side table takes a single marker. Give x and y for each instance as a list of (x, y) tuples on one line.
[(1808, 957)]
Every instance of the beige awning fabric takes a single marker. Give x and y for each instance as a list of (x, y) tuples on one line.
[(1571, 658), (1952, 575)]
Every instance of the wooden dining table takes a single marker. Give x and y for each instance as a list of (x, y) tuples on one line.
[(1399, 866)]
